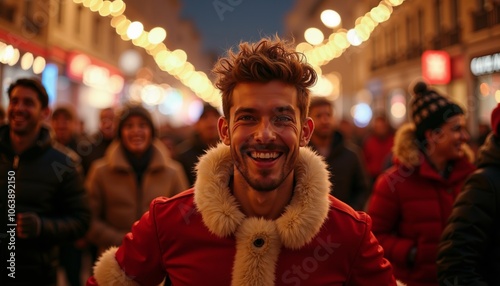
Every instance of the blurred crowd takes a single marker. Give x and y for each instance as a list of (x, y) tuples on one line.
[(407, 180)]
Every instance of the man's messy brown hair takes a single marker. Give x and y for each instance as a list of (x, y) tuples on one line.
[(265, 61)]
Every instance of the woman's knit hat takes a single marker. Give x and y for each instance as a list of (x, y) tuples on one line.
[(430, 110), (135, 110)]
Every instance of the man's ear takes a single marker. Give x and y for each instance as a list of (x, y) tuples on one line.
[(223, 127), (307, 131)]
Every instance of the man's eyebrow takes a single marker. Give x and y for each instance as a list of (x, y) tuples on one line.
[(285, 109), (245, 110)]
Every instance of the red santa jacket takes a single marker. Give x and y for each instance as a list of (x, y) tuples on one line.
[(200, 237), (410, 206)]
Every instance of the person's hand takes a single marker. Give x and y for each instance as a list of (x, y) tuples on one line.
[(29, 225)]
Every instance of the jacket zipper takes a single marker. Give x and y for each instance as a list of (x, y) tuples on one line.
[(15, 163)]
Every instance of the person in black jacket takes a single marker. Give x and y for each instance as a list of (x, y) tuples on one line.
[(43, 201), (469, 253), (205, 136), (347, 172)]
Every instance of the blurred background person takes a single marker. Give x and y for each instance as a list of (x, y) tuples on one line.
[(65, 126), (412, 200), (50, 200), (469, 253), (377, 146), (135, 170), (99, 142), (348, 177), (205, 136)]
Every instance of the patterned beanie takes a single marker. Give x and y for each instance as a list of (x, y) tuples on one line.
[(430, 110), (495, 120)]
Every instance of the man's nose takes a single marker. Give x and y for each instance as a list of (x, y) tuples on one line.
[(265, 132)]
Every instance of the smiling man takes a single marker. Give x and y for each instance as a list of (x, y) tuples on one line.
[(42, 189), (260, 212)]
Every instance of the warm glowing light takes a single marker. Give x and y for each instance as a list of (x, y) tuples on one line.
[(134, 30), (6, 54), (117, 7), (157, 35), (302, 47), (395, 2), (105, 9), (96, 5), (398, 110), (484, 88), (39, 65), (130, 61), (27, 61), (330, 18), (122, 28), (314, 36), (323, 87), (353, 37), (117, 20), (14, 59), (497, 95)]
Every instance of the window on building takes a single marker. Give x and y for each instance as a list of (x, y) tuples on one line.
[(455, 13), (60, 11), (29, 24), (437, 17), (409, 31), (420, 25), (396, 41), (97, 30), (7, 10), (112, 41), (78, 20)]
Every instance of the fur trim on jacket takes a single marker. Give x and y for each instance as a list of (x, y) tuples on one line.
[(297, 226), (406, 147), (253, 264)]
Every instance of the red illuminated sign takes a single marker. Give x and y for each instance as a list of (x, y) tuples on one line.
[(436, 67)]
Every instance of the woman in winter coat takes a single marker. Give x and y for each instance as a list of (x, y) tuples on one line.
[(412, 200), (135, 170), (469, 253)]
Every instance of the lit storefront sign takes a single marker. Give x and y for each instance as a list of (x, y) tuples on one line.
[(93, 74), (436, 67), (485, 65), (101, 82)]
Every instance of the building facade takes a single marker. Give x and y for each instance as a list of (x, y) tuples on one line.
[(403, 50), (85, 56)]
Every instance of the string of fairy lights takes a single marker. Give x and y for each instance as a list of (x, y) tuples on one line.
[(176, 64)]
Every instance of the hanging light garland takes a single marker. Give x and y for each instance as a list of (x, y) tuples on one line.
[(176, 64)]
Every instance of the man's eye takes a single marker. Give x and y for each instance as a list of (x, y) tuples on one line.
[(283, 118), (245, 118)]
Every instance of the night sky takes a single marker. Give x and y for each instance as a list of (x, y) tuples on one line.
[(224, 23)]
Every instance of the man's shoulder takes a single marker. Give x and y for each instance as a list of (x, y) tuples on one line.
[(183, 199), (61, 152), (342, 211)]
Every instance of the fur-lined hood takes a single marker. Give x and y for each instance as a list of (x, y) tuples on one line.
[(302, 218), (406, 149)]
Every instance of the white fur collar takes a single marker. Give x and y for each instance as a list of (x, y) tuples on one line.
[(302, 218)]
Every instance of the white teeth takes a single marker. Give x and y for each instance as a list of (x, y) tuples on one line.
[(260, 155)]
